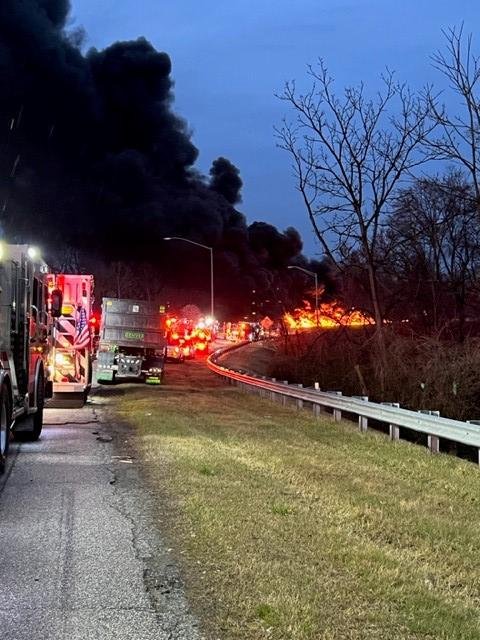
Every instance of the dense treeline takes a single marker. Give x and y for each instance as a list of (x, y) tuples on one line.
[(428, 259)]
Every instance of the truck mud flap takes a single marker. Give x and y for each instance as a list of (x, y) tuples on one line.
[(66, 401)]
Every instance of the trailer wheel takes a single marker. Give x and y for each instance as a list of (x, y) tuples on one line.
[(90, 370), (5, 419)]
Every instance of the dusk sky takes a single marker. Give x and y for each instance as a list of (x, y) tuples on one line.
[(229, 59)]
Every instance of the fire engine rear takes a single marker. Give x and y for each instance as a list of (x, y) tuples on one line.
[(71, 357), (25, 322)]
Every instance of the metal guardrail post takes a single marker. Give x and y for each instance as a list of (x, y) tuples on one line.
[(273, 395), (433, 442), (394, 432), (264, 393), (337, 413), (317, 407), (299, 402), (362, 420), (393, 429), (477, 422)]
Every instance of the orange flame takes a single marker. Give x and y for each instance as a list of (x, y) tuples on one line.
[(330, 315)]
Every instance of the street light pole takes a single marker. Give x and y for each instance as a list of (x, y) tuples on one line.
[(204, 246), (314, 275), (211, 285)]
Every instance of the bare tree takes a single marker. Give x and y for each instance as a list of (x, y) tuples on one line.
[(349, 155), (460, 134)]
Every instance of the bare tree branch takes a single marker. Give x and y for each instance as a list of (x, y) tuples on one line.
[(460, 135)]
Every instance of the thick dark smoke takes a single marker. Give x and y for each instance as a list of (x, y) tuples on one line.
[(93, 158), (225, 179)]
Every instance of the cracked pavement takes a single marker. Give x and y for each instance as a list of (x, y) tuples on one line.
[(80, 557)]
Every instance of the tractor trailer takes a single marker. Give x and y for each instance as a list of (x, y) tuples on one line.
[(132, 341)]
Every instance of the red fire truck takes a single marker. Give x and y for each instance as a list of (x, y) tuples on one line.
[(71, 354), (26, 311)]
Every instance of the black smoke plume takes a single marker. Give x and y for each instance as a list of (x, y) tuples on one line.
[(225, 179), (94, 163)]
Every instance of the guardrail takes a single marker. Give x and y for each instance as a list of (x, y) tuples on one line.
[(431, 424)]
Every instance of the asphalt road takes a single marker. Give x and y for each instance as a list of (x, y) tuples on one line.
[(80, 557)]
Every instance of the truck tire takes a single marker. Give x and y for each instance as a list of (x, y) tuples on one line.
[(38, 416), (90, 371), (31, 427), (5, 420), (88, 386)]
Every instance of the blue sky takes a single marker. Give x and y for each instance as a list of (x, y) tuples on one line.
[(230, 58)]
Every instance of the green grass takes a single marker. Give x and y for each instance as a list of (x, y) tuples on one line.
[(300, 529)]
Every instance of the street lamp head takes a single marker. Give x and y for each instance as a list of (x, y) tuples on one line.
[(310, 273), (33, 253), (314, 275), (204, 246)]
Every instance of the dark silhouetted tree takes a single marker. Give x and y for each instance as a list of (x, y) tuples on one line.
[(435, 240)]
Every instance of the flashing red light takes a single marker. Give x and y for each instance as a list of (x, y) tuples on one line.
[(94, 324)]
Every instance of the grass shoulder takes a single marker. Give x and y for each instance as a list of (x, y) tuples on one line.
[(295, 528)]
